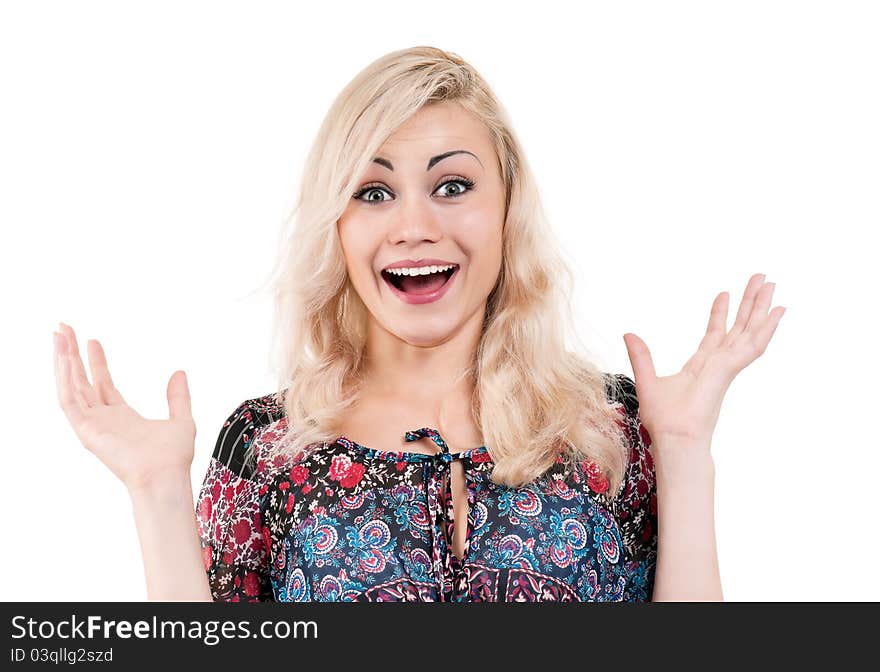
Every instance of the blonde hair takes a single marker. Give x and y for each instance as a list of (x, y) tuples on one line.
[(534, 400)]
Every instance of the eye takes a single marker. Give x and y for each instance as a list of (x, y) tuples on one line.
[(367, 193), (370, 189), (458, 191)]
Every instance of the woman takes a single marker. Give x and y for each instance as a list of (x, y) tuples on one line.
[(432, 438)]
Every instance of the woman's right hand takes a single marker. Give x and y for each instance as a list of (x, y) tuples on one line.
[(142, 453)]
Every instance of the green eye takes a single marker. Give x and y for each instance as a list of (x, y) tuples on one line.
[(464, 185), (369, 189), (468, 184)]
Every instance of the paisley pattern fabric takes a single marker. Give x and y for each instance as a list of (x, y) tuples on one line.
[(345, 522)]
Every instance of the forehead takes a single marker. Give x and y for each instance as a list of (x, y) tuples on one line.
[(435, 125)]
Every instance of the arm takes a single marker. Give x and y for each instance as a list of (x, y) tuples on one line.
[(680, 413), (151, 457), (166, 525), (687, 558)]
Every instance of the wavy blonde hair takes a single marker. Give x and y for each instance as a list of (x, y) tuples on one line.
[(533, 400)]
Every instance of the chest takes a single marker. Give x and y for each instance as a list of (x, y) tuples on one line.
[(360, 528), (382, 424), (385, 429)]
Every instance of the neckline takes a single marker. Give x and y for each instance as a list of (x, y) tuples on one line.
[(409, 456)]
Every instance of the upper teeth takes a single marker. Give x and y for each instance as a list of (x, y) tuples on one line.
[(423, 270)]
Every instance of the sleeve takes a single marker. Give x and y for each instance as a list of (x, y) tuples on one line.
[(635, 504), (231, 533)]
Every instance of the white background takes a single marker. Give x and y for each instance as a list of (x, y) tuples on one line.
[(149, 152)]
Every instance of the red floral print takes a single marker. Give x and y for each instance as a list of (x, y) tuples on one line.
[(299, 474), (596, 479), (344, 522)]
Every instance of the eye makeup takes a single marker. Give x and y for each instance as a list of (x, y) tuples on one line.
[(379, 186)]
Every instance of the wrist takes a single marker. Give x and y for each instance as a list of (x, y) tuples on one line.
[(680, 459), (170, 488)]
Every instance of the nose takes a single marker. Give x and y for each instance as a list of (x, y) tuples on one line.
[(413, 220)]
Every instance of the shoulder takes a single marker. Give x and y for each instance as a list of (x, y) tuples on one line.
[(635, 504), (249, 420), (621, 389)]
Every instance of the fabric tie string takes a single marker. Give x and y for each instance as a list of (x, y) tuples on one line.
[(445, 566)]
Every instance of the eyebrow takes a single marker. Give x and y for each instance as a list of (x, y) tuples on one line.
[(431, 162)]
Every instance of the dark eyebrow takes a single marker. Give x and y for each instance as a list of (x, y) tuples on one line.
[(433, 160)]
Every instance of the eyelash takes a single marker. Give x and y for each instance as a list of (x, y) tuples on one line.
[(379, 187)]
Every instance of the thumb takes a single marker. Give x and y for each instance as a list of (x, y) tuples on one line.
[(639, 357), (179, 402)]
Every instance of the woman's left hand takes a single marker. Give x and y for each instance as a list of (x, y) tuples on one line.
[(684, 407)]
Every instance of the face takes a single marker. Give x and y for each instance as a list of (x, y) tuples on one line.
[(433, 192)]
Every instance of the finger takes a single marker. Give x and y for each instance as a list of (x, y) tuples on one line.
[(179, 402), (103, 382), (766, 333), (759, 310), (640, 358), (67, 395), (77, 370), (716, 330), (745, 307)]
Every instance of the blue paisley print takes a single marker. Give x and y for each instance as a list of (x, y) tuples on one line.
[(345, 522)]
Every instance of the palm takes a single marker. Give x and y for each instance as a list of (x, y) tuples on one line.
[(687, 404), (139, 451), (135, 448)]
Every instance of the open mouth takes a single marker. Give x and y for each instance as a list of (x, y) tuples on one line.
[(415, 285)]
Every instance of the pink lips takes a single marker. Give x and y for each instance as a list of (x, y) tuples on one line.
[(422, 298)]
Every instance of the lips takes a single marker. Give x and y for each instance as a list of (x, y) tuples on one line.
[(400, 281), (413, 298)]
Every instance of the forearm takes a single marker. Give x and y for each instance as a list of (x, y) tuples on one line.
[(687, 556), (168, 534)]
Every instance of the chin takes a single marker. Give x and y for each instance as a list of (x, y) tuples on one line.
[(424, 338)]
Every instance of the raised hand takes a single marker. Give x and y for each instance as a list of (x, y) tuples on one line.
[(685, 406), (142, 453)]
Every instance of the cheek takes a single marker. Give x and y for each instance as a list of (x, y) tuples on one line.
[(484, 262), (480, 236), (358, 248)]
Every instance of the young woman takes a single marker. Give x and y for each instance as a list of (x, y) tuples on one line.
[(431, 437)]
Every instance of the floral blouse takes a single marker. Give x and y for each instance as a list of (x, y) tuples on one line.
[(345, 522)]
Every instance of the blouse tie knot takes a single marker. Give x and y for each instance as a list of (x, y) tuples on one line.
[(440, 505), (444, 457)]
